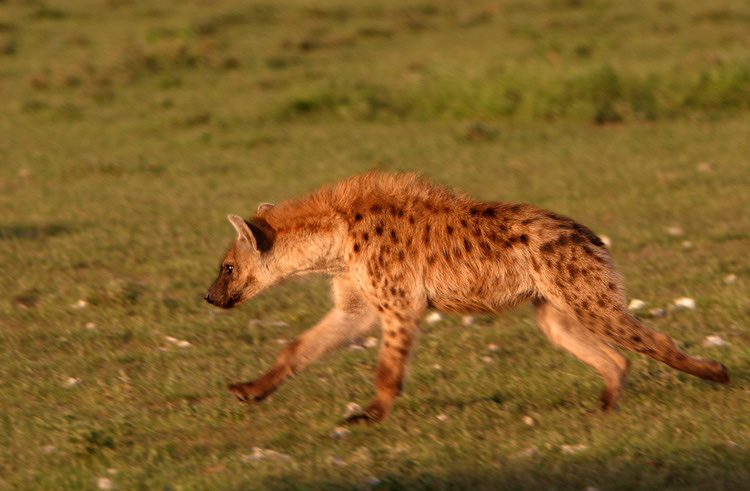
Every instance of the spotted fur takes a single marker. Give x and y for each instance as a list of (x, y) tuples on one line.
[(396, 244)]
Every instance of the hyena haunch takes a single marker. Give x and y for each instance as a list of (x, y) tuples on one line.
[(395, 244)]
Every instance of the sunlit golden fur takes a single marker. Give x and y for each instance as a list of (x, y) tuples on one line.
[(395, 244)]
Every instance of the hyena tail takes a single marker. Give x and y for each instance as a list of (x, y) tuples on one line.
[(628, 333)]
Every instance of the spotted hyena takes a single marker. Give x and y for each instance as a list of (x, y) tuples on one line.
[(395, 244)]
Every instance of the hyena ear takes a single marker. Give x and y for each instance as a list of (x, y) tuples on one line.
[(254, 236), (263, 208)]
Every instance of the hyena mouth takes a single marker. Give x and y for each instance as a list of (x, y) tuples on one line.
[(231, 301)]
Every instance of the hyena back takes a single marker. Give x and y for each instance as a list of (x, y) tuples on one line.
[(395, 244)]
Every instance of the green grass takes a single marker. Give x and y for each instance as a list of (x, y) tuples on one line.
[(130, 130)]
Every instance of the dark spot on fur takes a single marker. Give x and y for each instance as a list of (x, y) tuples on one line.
[(449, 229), (489, 212), (457, 253), (379, 229), (467, 245), (365, 236), (400, 255), (380, 308), (426, 236), (476, 232), (357, 217), (474, 211), (394, 238), (562, 240), (601, 302), (516, 208), (523, 239), (376, 208), (464, 223), (588, 234), (572, 271), (547, 247), (387, 344), (431, 259), (636, 338), (612, 286), (356, 247), (403, 351), (577, 238), (527, 221), (411, 219)]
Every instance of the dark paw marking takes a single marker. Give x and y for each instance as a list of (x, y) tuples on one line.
[(246, 393)]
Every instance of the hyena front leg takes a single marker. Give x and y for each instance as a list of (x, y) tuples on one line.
[(351, 318), (399, 330)]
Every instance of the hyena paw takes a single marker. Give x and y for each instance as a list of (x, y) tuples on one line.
[(372, 414), (247, 392), (360, 418)]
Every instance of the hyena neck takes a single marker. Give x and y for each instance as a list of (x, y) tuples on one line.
[(309, 241)]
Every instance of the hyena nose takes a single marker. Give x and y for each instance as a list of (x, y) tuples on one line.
[(207, 298)]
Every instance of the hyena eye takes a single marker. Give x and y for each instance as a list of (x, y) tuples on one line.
[(229, 268)]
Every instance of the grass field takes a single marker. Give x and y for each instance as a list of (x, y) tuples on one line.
[(128, 130)]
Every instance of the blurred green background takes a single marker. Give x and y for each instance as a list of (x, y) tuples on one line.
[(128, 130)]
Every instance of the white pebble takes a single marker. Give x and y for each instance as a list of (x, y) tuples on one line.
[(606, 239), (467, 320), (572, 449), (72, 382), (487, 359), (81, 304), (730, 278), (493, 347), (177, 342), (528, 420), (49, 449), (263, 453), (685, 303), (105, 483), (356, 347), (636, 304), (657, 312), (370, 342), (437, 366), (353, 408), (90, 325), (335, 460), (714, 341), (442, 417), (433, 317), (675, 231), (686, 244), (339, 432)]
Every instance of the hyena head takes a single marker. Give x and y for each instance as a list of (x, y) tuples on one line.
[(245, 269)]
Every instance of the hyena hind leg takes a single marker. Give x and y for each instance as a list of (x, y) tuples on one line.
[(564, 330)]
